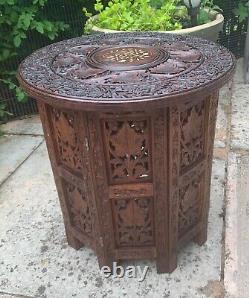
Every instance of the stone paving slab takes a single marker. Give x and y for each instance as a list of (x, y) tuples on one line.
[(221, 128), (236, 267), (7, 295), (28, 126), (238, 76), (221, 143), (14, 149), (236, 273), (240, 117), (231, 224), (35, 259)]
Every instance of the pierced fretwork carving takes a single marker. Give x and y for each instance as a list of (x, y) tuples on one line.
[(66, 139), (79, 209), (128, 152), (133, 221), (192, 122), (124, 55), (190, 202)]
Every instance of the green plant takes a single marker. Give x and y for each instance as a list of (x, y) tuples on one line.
[(242, 10), (3, 112), (136, 15), (157, 3), (19, 19), (205, 8)]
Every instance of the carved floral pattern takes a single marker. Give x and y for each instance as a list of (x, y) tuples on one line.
[(192, 122), (189, 205), (128, 152), (80, 215), (62, 69), (66, 139), (127, 64), (133, 222), (174, 139)]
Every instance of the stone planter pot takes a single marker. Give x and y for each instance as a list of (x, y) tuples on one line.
[(209, 31)]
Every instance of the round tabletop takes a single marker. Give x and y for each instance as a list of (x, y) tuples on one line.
[(125, 69)]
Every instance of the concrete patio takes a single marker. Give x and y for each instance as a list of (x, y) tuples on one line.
[(35, 260)]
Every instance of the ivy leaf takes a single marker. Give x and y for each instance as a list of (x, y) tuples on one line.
[(5, 54), (12, 86), (25, 20), (17, 41), (51, 35), (39, 27), (242, 12), (48, 26), (20, 95), (40, 2), (3, 112), (9, 2)]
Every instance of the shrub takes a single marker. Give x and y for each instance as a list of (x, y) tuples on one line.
[(19, 19), (137, 15)]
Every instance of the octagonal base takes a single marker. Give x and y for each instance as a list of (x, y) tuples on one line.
[(133, 184)]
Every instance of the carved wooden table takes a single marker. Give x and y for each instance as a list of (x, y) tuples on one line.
[(129, 121)]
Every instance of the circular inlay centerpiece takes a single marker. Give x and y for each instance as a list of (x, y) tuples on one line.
[(126, 57)]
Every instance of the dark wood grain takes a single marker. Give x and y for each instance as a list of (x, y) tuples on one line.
[(129, 122)]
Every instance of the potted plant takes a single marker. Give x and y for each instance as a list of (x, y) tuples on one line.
[(192, 17)]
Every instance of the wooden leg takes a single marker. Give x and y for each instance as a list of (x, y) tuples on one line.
[(172, 262), (161, 266), (166, 265), (105, 262), (72, 241), (45, 116), (201, 237), (166, 191)]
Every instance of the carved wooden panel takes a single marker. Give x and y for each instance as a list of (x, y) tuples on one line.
[(127, 150), (105, 234), (133, 219), (190, 204), (79, 209), (174, 165), (67, 141), (192, 121), (212, 102)]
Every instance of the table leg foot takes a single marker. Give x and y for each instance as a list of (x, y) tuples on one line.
[(201, 237), (72, 241), (106, 262), (167, 266)]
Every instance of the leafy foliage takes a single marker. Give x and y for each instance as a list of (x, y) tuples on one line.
[(234, 30), (3, 112), (19, 19), (239, 8), (242, 10), (137, 15), (205, 8)]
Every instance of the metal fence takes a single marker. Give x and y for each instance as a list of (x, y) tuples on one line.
[(234, 32), (70, 11)]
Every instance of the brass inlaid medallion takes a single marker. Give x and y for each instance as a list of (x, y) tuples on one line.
[(126, 57)]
